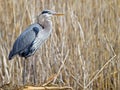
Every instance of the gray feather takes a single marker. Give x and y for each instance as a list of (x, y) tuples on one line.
[(25, 39)]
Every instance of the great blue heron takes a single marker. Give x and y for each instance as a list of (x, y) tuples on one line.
[(34, 35)]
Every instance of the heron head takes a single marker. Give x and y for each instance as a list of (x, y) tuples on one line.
[(49, 13)]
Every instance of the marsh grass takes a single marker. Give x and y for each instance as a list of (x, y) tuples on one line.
[(83, 51)]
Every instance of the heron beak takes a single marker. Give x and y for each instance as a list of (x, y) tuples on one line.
[(58, 14)]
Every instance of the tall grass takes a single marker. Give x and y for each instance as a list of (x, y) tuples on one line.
[(83, 51)]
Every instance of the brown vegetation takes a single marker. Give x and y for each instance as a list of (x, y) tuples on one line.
[(83, 51)]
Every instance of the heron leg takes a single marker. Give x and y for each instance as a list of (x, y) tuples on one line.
[(24, 71), (34, 71)]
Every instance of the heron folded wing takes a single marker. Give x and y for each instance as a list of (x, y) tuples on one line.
[(36, 30), (25, 39)]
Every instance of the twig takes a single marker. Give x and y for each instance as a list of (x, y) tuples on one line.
[(100, 70), (61, 66), (103, 65), (47, 88), (77, 81), (50, 80), (5, 66)]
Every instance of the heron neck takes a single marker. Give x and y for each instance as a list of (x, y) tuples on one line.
[(47, 24)]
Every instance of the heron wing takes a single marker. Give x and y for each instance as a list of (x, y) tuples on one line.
[(26, 38)]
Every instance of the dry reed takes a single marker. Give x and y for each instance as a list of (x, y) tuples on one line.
[(83, 51)]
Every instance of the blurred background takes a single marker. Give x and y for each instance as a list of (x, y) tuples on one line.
[(83, 51)]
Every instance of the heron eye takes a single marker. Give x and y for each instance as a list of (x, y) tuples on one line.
[(49, 12)]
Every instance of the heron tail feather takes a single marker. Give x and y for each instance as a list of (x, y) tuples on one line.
[(10, 55)]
